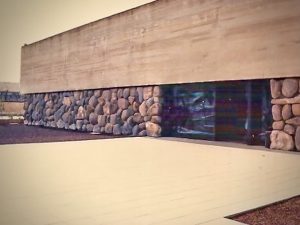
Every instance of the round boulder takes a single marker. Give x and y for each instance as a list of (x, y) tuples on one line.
[(281, 141), (286, 112), (275, 88), (278, 125), (290, 87), (296, 109), (276, 112), (289, 129), (153, 129)]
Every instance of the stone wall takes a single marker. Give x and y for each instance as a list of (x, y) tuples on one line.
[(132, 111), (286, 114)]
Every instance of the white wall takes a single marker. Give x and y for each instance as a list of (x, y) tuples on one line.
[(27, 21)]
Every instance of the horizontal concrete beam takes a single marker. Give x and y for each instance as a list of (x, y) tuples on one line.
[(164, 42)]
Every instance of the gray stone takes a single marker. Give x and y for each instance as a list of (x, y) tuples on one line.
[(102, 120), (143, 109), (156, 109), (108, 128), (142, 126), (281, 141), (84, 128), (93, 118), (142, 133), (126, 92), (114, 119), (114, 96), (58, 114), (289, 129), (93, 101), (66, 117), (297, 138), (149, 102), (77, 95), (290, 87), (131, 99), (296, 109), (117, 129), (133, 92), (157, 91), (147, 92), (89, 127), (126, 113), (126, 129), (79, 124), (97, 129), (276, 112), (49, 112), (49, 104), (278, 125), (294, 121), (156, 119), (120, 93), (99, 109), (106, 94), (286, 112), (114, 107), (135, 130), (153, 129), (66, 126), (137, 118), (97, 93), (60, 124), (89, 110), (72, 126), (130, 120), (123, 103), (275, 88), (140, 94)]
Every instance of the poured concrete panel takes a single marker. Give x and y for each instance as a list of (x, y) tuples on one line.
[(169, 42)]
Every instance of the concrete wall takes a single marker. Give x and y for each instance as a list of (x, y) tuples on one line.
[(169, 42)]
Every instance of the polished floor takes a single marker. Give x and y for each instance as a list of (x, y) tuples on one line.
[(139, 181)]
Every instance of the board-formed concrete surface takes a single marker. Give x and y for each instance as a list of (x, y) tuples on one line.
[(139, 181)]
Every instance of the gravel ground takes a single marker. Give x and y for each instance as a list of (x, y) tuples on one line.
[(283, 213), (15, 134)]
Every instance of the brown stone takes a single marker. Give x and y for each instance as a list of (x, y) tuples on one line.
[(140, 94), (157, 91), (296, 109), (284, 101), (143, 109), (126, 113), (289, 129), (156, 119), (99, 109), (153, 129), (49, 104), (114, 96), (294, 121), (147, 92), (297, 138), (101, 101), (154, 110), (281, 141), (81, 114), (142, 126), (135, 106), (278, 125), (276, 112), (77, 95), (107, 108), (137, 118), (286, 112), (123, 103), (120, 93), (147, 118), (290, 87), (149, 102), (114, 119), (67, 101), (275, 88)]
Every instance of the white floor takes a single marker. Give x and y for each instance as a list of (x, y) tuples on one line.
[(139, 181)]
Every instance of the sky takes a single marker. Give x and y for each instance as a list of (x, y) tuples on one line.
[(27, 21)]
